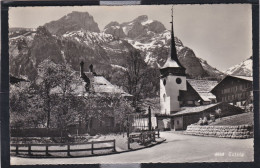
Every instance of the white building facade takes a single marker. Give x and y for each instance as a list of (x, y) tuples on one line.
[(172, 80)]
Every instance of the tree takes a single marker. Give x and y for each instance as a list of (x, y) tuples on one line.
[(47, 80), (25, 106), (65, 98), (121, 108), (140, 80), (57, 88)]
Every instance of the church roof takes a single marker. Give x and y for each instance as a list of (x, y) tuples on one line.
[(170, 63), (203, 88)]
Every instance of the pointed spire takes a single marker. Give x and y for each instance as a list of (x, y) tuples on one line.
[(173, 48)]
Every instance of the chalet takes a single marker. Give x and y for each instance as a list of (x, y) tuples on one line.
[(198, 93), (90, 82), (191, 115), (236, 90)]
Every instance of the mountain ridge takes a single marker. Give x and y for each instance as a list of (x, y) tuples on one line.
[(245, 68), (105, 49)]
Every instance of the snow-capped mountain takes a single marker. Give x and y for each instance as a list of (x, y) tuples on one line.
[(137, 28), (244, 68), (27, 51), (76, 37), (151, 37)]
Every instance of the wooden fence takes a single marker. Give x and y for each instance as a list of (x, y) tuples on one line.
[(68, 150), (143, 138)]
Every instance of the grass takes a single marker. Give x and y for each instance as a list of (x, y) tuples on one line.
[(239, 119)]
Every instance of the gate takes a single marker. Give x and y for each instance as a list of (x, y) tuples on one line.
[(142, 122)]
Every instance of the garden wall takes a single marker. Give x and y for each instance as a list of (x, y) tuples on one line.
[(237, 132)]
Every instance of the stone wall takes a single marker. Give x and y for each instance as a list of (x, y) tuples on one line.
[(237, 132)]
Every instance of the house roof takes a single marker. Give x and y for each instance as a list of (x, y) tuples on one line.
[(228, 76), (249, 78), (99, 84), (102, 85), (191, 110), (203, 88)]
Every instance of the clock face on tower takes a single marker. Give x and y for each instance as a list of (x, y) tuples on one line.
[(178, 80)]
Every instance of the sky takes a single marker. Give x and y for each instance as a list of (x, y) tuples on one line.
[(221, 34)]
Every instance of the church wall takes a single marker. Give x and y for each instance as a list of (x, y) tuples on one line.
[(172, 90), (164, 100)]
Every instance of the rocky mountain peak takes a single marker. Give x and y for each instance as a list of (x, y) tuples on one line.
[(114, 23), (72, 22), (141, 18), (76, 37)]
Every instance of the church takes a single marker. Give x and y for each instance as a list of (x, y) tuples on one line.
[(172, 81), (184, 101)]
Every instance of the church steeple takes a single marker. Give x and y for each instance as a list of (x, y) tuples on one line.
[(173, 51), (172, 64), (172, 80)]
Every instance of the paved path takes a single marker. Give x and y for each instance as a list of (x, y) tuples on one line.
[(177, 148)]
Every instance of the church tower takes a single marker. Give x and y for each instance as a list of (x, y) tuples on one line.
[(172, 80)]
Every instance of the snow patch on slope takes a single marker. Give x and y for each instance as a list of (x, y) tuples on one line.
[(244, 68), (88, 37)]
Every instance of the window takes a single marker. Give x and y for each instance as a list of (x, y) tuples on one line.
[(178, 122), (164, 97), (164, 82)]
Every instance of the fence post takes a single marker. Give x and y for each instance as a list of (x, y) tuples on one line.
[(158, 133), (92, 147), (47, 149), (68, 152), (29, 150), (114, 150), (16, 149), (128, 142), (143, 136)]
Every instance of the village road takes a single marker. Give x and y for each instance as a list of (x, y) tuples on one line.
[(176, 148)]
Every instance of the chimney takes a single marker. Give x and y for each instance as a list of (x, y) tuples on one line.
[(91, 68), (81, 68)]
